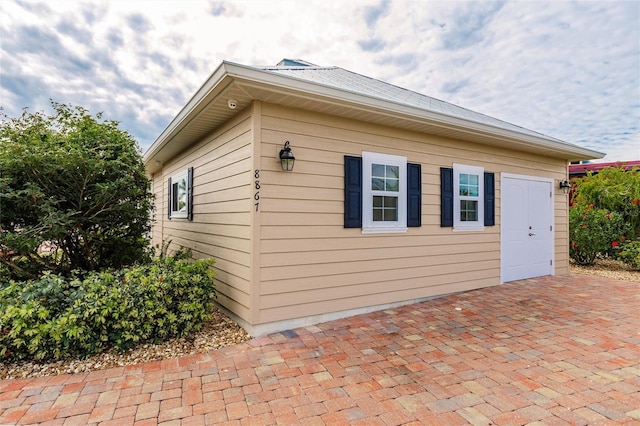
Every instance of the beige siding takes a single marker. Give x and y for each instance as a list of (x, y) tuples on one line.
[(310, 264), (221, 226), (290, 257), (158, 191), (562, 230)]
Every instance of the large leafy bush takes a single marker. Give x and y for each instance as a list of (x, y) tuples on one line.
[(73, 194), (604, 219), (594, 231), (615, 190), (55, 317)]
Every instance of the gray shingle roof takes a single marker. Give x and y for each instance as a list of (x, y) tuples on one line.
[(297, 83), (349, 81)]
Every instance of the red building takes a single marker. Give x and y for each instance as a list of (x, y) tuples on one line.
[(579, 170)]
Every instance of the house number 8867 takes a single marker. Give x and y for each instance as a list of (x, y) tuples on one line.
[(256, 184)]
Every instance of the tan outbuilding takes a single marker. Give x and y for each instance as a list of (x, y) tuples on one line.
[(394, 196)]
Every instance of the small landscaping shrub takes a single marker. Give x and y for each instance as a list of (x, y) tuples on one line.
[(630, 254), (56, 317), (594, 231)]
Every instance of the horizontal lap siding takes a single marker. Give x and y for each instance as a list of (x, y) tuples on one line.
[(561, 235), (310, 264), (221, 226), (158, 188)]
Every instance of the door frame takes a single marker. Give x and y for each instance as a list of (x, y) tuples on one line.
[(503, 177)]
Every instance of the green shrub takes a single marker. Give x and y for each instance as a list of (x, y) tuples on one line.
[(630, 254), (613, 189), (74, 194), (57, 317), (594, 232)]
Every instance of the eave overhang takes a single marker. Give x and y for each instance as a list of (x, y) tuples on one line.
[(208, 109)]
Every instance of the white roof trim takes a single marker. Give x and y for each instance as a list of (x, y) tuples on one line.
[(229, 72), (180, 120)]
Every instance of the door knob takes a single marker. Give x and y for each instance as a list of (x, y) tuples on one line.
[(531, 235)]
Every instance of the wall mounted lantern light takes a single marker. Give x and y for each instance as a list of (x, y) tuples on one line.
[(565, 186), (286, 158)]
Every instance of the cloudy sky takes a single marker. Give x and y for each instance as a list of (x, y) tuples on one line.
[(570, 70)]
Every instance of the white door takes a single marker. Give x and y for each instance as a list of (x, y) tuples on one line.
[(526, 227)]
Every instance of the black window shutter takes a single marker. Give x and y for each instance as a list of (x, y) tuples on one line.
[(414, 195), (170, 199), (190, 193), (489, 199), (352, 192), (446, 197)]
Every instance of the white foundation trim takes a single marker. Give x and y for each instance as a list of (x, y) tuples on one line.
[(257, 330)]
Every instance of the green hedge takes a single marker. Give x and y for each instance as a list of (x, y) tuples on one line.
[(56, 317)]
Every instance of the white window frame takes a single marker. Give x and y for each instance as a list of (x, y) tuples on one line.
[(179, 214), (477, 225), (368, 224)]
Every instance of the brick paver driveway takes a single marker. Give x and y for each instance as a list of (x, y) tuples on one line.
[(555, 350)]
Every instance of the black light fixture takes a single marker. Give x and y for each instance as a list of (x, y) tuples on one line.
[(565, 186), (286, 158)]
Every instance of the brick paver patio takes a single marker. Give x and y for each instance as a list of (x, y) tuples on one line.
[(555, 351)]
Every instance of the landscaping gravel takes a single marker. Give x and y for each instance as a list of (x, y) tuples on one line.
[(217, 333), (607, 268)]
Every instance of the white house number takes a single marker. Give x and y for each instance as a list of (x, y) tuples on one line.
[(256, 196)]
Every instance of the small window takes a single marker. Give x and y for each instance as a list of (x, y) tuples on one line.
[(180, 195), (384, 193), (468, 197)]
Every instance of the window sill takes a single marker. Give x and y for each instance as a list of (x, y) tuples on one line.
[(468, 228), (384, 230), (179, 216)]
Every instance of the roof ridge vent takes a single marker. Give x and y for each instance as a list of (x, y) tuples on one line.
[(295, 63)]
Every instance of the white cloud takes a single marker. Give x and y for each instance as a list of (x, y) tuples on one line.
[(568, 70)]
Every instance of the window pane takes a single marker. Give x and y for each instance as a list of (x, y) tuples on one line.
[(468, 211), (390, 209), (181, 196), (385, 209), (377, 170), (378, 208), (390, 212), (385, 178), (391, 202), (377, 184), (393, 178), (174, 196), (469, 185)]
